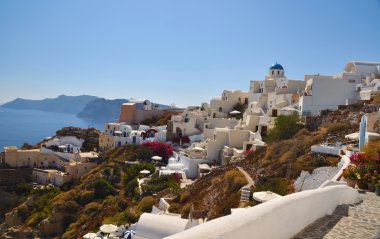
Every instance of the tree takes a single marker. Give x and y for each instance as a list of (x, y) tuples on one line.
[(285, 127)]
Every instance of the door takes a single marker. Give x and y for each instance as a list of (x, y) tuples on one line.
[(264, 131)]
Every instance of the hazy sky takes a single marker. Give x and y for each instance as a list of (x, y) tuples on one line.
[(182, 51)]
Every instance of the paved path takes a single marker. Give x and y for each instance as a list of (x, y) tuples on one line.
[(359, 221), (249, 178), (307, 181), (246, 190)]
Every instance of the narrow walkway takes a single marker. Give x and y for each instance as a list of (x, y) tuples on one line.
[(359, 221), (249, 178), (246, 190)]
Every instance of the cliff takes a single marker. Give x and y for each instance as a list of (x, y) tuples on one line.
[(102, 110)]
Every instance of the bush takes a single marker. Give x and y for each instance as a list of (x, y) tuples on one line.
[(130, 188), (144, 154), (184, 196), (157, 183), (23, 211), (281, 186), (102, 189), (132, 215), (85, 197), (337, 128), (145, 205), (318, 160), (185, 210), (285, 127), (234, 180), (92, 207), (175, 208), (132, 171)]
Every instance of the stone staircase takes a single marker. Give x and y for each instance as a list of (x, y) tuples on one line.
[(245, 193), (359, 221)]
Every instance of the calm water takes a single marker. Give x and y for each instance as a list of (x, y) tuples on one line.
[(32, 126)]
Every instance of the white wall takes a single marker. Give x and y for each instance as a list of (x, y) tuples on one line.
[(328, 93), (280, 218)]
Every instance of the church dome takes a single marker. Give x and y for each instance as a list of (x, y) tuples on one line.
[(276, 67)]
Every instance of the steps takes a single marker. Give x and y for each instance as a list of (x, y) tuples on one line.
[(245, 193), (359, 221)]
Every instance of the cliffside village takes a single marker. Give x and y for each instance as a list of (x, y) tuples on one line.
[(215, 132)]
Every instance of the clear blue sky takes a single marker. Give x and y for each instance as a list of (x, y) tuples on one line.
[(175, 51)]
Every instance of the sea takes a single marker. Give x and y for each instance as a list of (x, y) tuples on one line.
[(32, 126)]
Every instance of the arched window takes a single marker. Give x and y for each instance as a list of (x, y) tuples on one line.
[(220, 109)]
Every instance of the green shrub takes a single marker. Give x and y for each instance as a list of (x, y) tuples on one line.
[(234, 180), (157, 183), (281, 186), (175, 208), (285, 127), (130, 188), (92, 207), (132, 215), (184, 196), (85, 197), (185, 210), (122, 203), (102, 189), (145, 205), (132, 171)]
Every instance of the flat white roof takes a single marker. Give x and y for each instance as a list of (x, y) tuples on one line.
[(156, 226)]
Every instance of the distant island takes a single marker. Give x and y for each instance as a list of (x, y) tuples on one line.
[(102, 110), (60, 104), (86, 107)]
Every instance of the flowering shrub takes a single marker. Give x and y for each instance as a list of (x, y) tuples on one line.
[(366, 166), (349, 172), (252, 155), (161, 149)]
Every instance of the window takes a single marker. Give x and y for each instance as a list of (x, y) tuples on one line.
[(278, 72), (272, 72), (220, 109)]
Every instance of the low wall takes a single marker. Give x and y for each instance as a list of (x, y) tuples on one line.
[(280, 218)]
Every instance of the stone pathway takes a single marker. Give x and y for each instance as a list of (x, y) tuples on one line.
[(246, 175), (359, 221), (245, 190), (307, 181)]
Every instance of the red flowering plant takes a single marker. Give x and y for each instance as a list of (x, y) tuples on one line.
[(161, 149), (250, 155), (366, 164), (350, 172)]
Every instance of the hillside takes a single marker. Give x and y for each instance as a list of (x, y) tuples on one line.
[(102, 110), (60, 104), (108, 193)]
